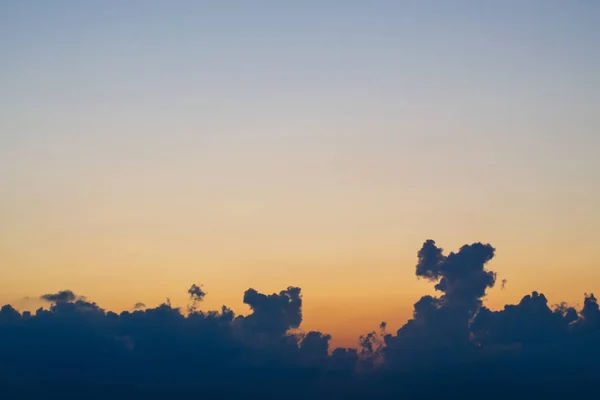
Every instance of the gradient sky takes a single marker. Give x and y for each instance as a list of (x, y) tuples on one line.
[(147, 145)]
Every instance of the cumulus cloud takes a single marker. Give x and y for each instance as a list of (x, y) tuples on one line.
[(273, 314), (462, 276), (450, 339), (314, 347), (442, 324)]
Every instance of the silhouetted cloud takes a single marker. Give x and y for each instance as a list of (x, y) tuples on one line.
[(315, 347), (590, 314), (196, 293), (8, 313), (197, 296), (274, 314), (530, 321), (63, 296), (452, 340), (442, 324)]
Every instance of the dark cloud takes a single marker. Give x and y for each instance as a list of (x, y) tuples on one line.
[(8, 313), (196, 293), (314, 347), (590, 314), (197, 296), (452, 344), (274, 314), (344, 359), (461, 276), (442, 324), (64, 296), (530, 321)]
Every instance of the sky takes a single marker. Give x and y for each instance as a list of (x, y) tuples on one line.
[(149, 145)]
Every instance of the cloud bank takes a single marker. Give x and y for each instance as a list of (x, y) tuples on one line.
[(452, 343)]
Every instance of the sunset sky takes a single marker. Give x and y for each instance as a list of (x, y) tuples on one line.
[(149, 145)]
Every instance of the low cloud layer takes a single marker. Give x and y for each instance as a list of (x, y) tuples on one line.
[(76, 342)]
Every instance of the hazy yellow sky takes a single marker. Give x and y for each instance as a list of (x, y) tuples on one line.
[(144, 148)]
